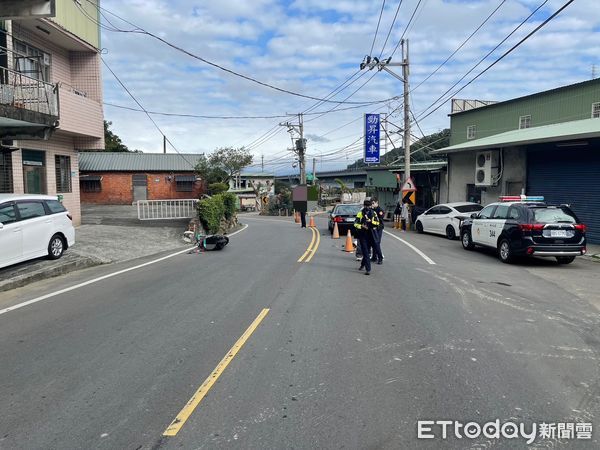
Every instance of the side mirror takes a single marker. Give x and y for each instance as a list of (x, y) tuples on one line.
[(474, 216)]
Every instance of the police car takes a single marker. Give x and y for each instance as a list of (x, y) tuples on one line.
[(526, 226)]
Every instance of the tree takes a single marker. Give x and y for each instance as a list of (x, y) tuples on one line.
[(209, 173), (113, 142), (230, 160)]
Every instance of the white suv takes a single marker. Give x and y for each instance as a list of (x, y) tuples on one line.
[(32, 226)]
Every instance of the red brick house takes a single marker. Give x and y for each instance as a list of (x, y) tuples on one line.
[(120, 178)]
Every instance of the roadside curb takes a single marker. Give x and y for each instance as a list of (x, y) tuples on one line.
[(79, 263)]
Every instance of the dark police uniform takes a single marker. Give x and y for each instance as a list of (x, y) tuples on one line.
[(365, 225), (377, 254)]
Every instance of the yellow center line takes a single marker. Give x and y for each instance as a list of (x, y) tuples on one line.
[(314, 237), (314, 250), (191, 405)]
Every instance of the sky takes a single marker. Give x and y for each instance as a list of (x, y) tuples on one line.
[(312, 47)]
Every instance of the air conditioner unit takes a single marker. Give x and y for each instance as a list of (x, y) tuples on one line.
[(46, 59), (486, 168)]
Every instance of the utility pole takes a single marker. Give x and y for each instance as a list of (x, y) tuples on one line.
[(164, 144), (405, 73), (373, 62), (385, 64), (314, 171), (593, 71), (262, 163), (300, 144)]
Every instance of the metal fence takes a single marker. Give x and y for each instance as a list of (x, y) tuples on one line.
[(166, 209), (21, 91)]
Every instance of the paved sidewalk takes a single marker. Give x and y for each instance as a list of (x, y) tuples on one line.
[(109, 233)]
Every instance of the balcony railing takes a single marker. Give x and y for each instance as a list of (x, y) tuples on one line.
[(21, 91)]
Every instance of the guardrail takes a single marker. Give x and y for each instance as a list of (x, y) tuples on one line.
[(21, 91), (166, 209)]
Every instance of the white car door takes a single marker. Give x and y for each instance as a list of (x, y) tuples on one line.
[(37, 228), (480, 226), (11, 241), (428, 219), (496, 224), (443, 219)]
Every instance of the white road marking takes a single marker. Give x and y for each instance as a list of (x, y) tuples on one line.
[(104, 277), (259, 219), (419, 252)]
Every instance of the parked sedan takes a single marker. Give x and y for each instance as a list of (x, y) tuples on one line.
[(344, 215), (445, 219), (32, 226)]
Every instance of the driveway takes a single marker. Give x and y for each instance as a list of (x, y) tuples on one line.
[(108, 234)]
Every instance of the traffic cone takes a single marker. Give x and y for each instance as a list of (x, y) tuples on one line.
[(349, 247), (311, 224), (336, 231), (297, 217)]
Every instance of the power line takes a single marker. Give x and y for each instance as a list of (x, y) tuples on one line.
[(377, 29), (460, 46), (149, 116), (535, 30), (405, 29), (140, 30), (391, 29), (335, 107)]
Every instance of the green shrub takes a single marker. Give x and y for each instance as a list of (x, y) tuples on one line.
[(210, 213), (217, 188), (230, 204)]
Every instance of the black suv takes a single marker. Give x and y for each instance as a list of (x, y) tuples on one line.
[(526, 229)]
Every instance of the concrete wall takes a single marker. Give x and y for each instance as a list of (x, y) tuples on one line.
[(58, 145), (117, 188), (70, 17), (461, 172)]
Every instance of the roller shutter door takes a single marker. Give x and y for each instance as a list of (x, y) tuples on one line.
[(569, 175)]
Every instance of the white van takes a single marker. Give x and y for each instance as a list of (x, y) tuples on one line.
[(32, 226)]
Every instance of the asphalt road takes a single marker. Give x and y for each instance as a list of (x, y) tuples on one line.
[(339, 361)]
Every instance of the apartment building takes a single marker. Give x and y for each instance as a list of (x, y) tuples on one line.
[(50, 96)]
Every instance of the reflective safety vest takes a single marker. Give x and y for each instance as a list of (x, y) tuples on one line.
[(366, 219)]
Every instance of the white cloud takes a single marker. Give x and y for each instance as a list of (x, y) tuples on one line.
[(312, 47)]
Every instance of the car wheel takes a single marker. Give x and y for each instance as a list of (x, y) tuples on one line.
[(419, 227), (466, 240), (56, 247), (450, 233), (565, 259), (505, 252)]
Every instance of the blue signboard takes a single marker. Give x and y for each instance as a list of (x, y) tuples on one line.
[(372, 123)]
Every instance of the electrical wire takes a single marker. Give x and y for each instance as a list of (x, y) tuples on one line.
[(149, 116), (405, 29), (391, 29), (142, 31), (377, 29), (510, 50), (461, 45)]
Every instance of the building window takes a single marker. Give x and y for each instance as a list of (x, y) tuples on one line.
[(184, 183), (595, 110), (6, 182), (524, 122), (62, 166), (471, 132), (31, 61), (90, 184), (34, 171)]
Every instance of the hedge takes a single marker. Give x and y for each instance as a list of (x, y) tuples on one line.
[(212, 210)]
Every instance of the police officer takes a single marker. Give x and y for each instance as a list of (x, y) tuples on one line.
[(365, 225), (378, 232)]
